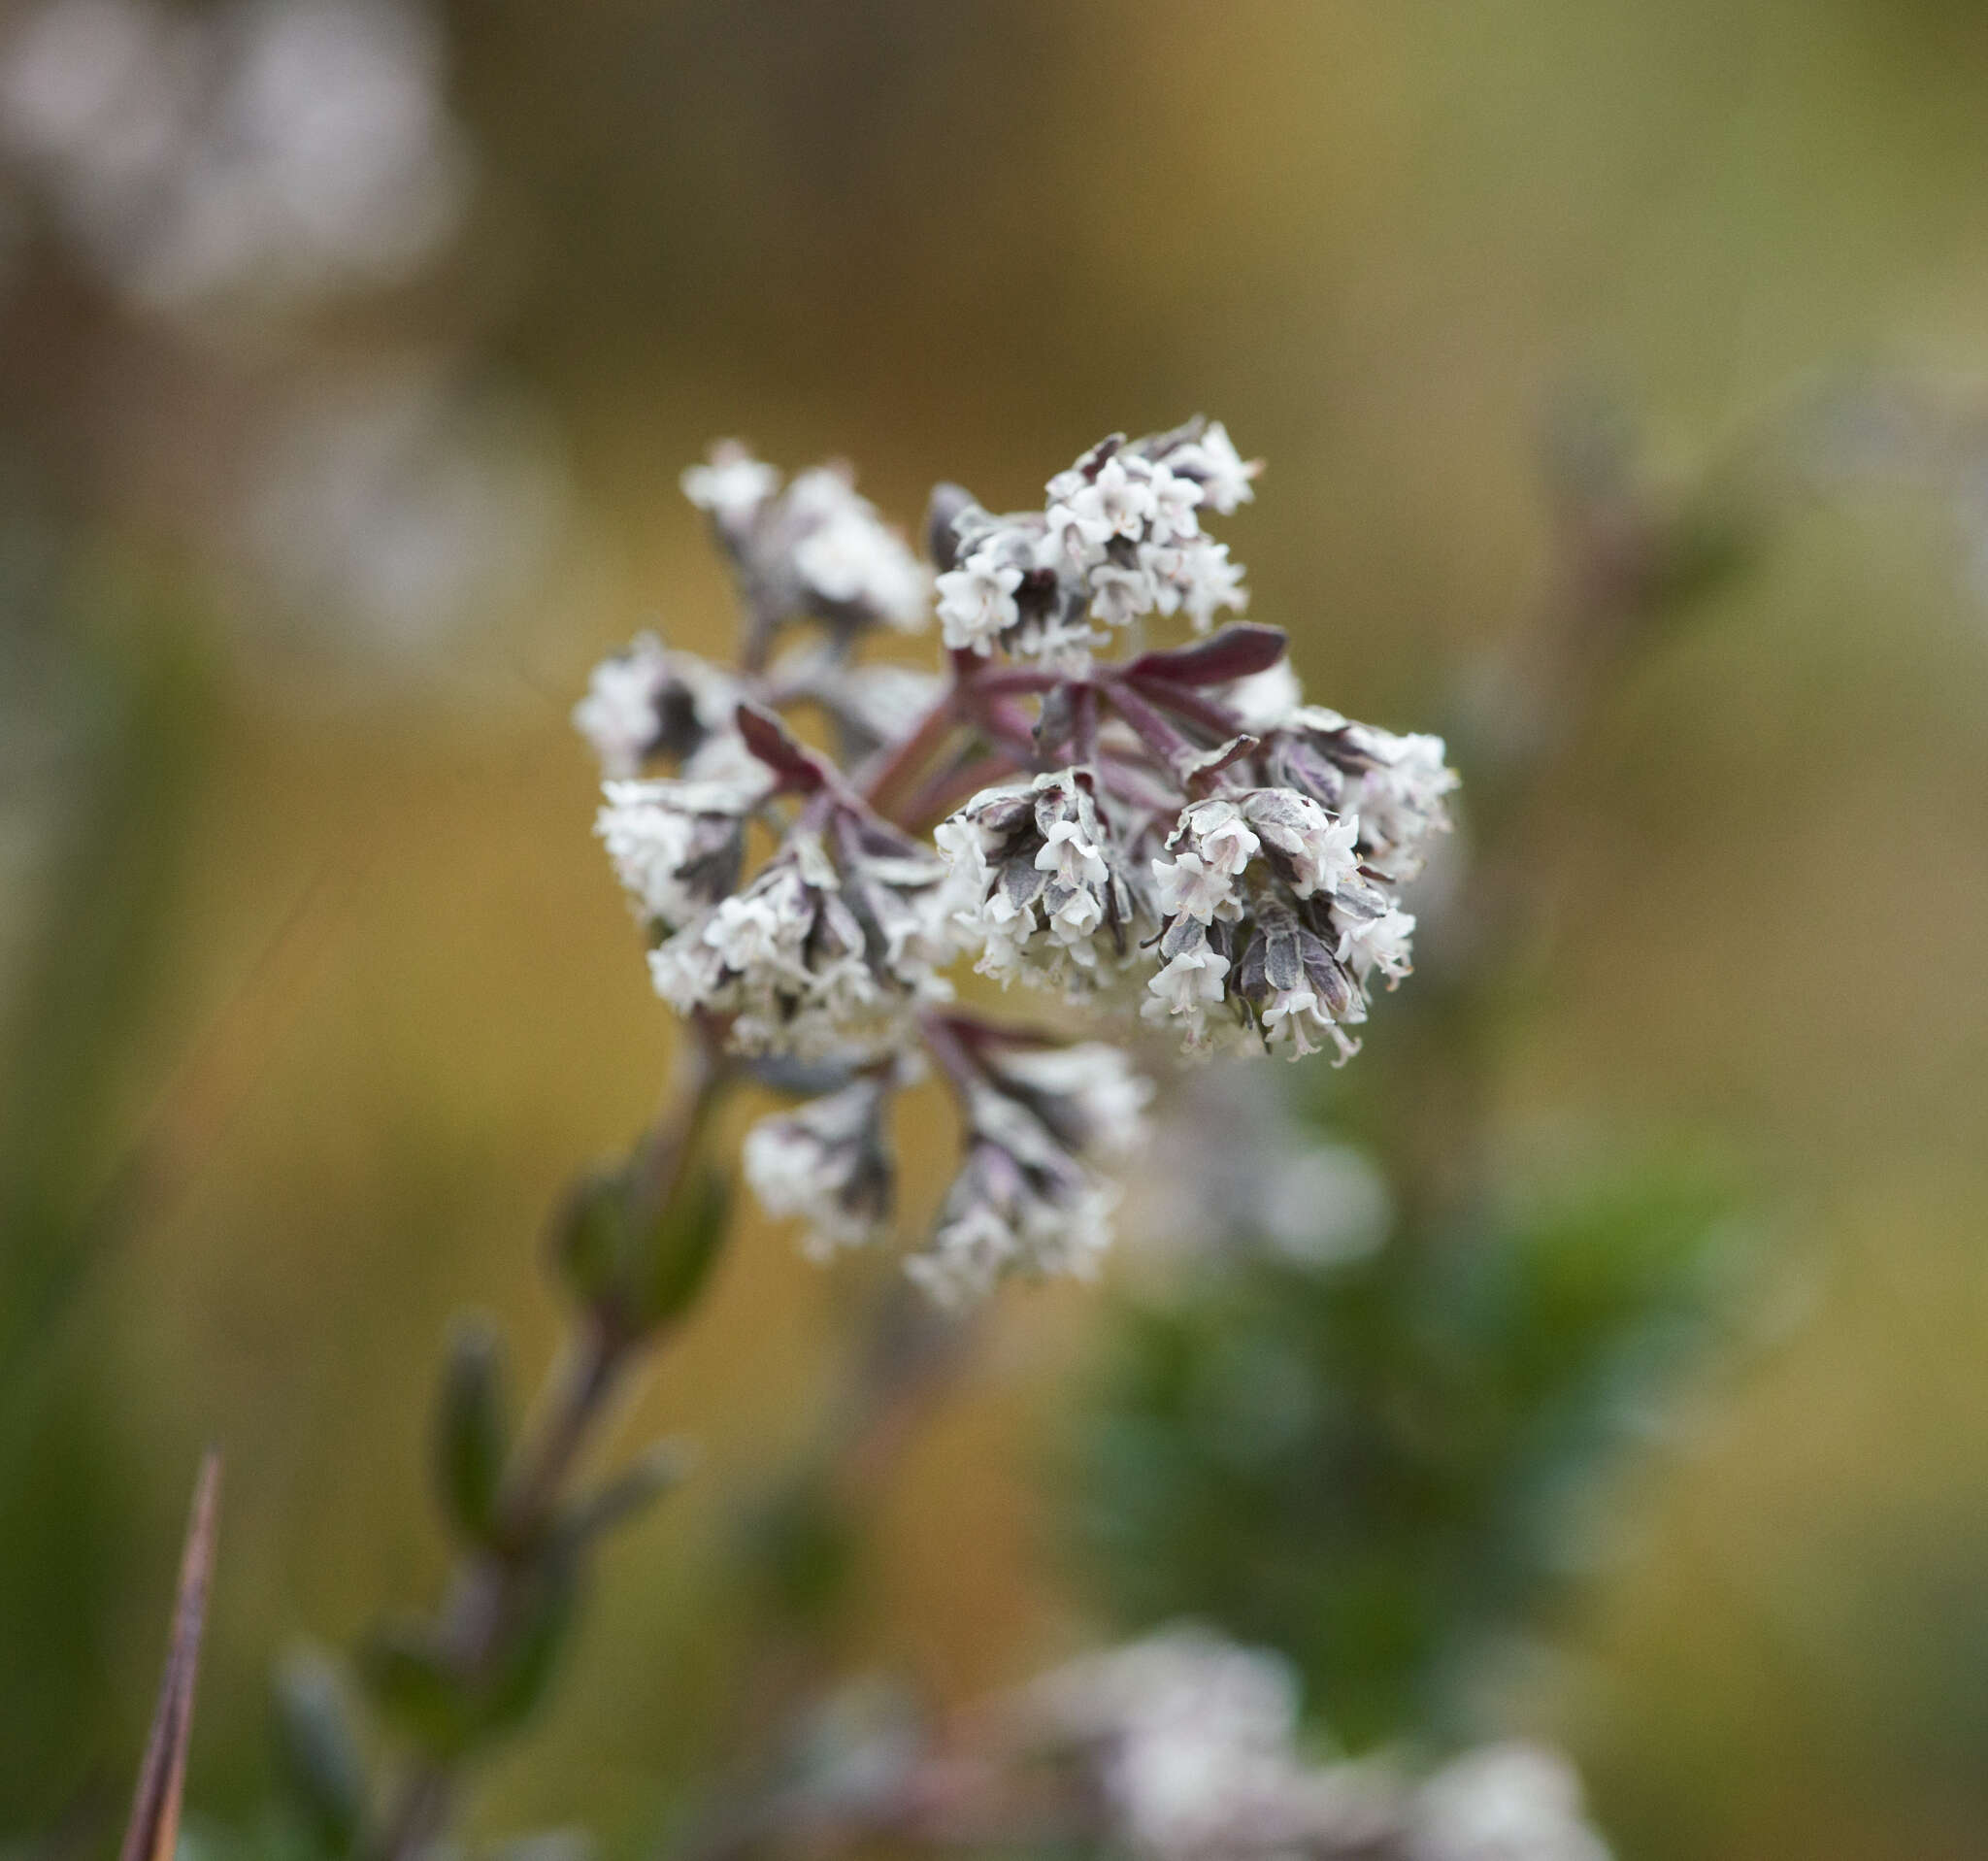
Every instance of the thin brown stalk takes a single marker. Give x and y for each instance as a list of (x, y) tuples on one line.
[(153, 1831)]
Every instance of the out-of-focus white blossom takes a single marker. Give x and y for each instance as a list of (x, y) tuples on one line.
[(269, 152), (826, 1164), (887, 701), (1265, 699), (1023, 1201), (1086, 1095), (1504, 1803), (731, 484), (1226, 478), (819, 548), (1192, 1743), (852, 560), (1191, 1735), (1027, 1197), (873, 705), (677, 846), (645, 701), (1189, 1748)]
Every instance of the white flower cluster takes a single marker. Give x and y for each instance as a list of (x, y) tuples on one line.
[(817, 548), (1192, 1746), (1179, 820), (826, 1164), (819, 955), (1026, 1197), (1120, 538), (1255, 894), (1276, 902), (1038, 886), (1512, 1802), (677, 846), (646, 701), (1396, 787)]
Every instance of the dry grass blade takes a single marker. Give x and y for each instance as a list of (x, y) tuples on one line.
[(154, 1832)]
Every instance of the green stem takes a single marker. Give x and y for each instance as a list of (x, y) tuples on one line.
[(489, 1586)]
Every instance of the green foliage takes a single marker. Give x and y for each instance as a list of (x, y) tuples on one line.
[(799, 1547), (446, 1706), (132, 716), (1390, 1467), (677, 1248), (318, 1752), (639, 1260), (630, 1493)]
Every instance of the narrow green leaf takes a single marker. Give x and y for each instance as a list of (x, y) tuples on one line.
[(681, 1246), (472, 1438), (319, 1750)]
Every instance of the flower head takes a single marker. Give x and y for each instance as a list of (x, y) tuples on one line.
[(1037, 883), (1021, 1202), (1119, 537), (1175, 828), (1190, 1743), (819, 548), (675, 847), (1504, 1801), (647, 701), (1210, 458), (732, 486), (1259, 888), (1397, 787), (1028, 1196), (826, 1163), (822, 955), (1087, 1096), (1186, 1748)]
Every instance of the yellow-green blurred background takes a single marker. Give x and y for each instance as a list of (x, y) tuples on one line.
[(392, 997)]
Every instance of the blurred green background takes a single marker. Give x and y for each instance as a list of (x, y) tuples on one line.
[(318, 988)]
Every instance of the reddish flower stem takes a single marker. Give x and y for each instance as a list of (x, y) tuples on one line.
[(947, 788), (1154, 731), (1191, 705), (879, 786)]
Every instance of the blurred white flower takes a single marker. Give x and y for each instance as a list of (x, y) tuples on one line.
[(1191, 1746), (1231, 1166), (263, 157), (731, 484), (1226, 478), (647, 699), (819, 548), (826, 1164), (393, 506), (1504, 1803)]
